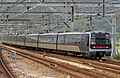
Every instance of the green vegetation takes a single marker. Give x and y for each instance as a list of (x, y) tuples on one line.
[(117, 45), (117, 56)]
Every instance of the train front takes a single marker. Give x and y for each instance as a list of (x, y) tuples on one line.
[(100, 44)]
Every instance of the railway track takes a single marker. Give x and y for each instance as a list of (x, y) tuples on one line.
[(109, 66), (2, 72), (100, 69), (4, 69), (59, 66)]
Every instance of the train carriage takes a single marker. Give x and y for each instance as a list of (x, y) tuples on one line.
[(48, 41), (31, 40), (12, 39), (73, 42), (90, 44), (100, 44), (4, 39), (20, 40), (9, 39)]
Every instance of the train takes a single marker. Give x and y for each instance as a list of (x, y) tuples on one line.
[(95, 44)]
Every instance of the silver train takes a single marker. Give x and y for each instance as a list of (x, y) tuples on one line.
[(90, 44)]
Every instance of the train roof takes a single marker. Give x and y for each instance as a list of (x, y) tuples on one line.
[(65, 33), (73, 33), (49, 34), (98, 31), (32, 34)]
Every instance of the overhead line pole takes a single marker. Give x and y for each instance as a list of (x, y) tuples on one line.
[(113, 24), (114, 34), (72, 18), (103, 8)]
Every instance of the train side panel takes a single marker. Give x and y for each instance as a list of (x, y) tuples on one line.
[(4, 39), (47, 41), (9, 39), (31, 40), (20, 40), (73, 42), (12, 39)]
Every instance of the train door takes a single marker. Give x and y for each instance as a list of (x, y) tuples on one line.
[(87, 43)]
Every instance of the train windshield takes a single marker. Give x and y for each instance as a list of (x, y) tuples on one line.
[(100, 40)]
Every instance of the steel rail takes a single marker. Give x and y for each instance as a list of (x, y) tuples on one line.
[(6, 69)]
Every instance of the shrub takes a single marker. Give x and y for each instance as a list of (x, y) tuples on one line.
[(117, 56), (117, 44)]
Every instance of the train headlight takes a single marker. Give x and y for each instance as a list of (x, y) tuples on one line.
[(107, 47), (93, 47)]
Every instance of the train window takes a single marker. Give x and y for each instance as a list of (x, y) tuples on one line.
[(78, 39), (107, 39), (40, 38), (93, 39), (44, 39), (53, 39), (27, 39), (74, 39), (33, 38), (47, 38), (61, 39), (100, 39), (20, 38), (68, 39)]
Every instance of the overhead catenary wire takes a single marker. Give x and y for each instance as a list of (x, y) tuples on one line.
[(8, 8), (1, 4)]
